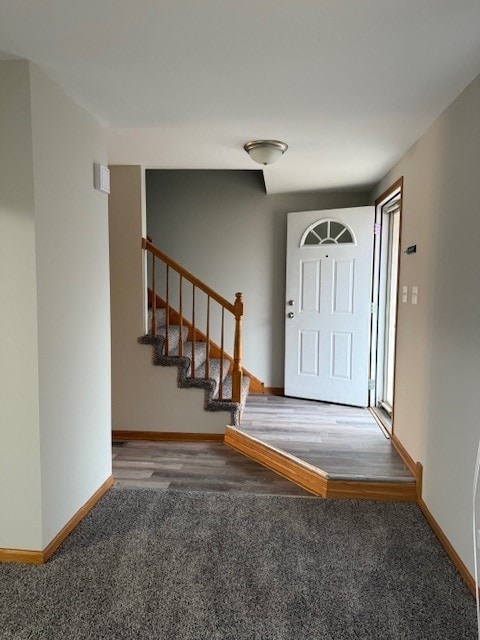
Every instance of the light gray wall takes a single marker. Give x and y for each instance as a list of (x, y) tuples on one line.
[(55, 414), (222, 226), (437, 399), (71, 233), (20, 487)]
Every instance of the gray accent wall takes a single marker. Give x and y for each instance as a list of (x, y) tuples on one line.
[(222, 226)]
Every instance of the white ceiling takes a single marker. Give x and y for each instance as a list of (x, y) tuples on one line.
[(348, 84)]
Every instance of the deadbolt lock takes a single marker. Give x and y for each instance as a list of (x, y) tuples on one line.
[(291, 302)]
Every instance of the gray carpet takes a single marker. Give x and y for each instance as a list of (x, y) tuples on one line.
[(201, 566)]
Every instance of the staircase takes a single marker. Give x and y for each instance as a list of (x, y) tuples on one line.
[(189, 344)]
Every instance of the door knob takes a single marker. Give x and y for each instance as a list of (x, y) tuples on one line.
[(290, 315)]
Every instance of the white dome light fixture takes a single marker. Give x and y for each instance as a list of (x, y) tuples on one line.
[(265, 151)]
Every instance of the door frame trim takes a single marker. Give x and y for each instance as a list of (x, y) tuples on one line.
[(380, 201)]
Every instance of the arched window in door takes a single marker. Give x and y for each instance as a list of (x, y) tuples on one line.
[(327, 231)]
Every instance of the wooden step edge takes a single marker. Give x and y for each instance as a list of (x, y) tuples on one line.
[(309, 479), (256, 385), (313, 479), (358, 490)]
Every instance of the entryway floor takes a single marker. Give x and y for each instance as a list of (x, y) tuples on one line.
[(345, 443), (195, 466)]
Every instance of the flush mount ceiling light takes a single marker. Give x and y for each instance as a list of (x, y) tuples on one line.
[(265, 151)]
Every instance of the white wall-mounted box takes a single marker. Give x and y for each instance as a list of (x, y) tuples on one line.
[(101, 178)]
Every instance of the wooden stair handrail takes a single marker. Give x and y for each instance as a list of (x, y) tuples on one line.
[(148, 246), (236, 309)]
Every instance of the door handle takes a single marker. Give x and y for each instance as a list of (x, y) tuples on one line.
[(290, 315)]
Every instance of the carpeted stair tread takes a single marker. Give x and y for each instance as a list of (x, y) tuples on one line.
[(173, 331), (173, 336), (161, 316), (214, 371), (200, 352), (227, 390)]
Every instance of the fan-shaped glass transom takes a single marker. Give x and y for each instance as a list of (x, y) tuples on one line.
[(327, 232)]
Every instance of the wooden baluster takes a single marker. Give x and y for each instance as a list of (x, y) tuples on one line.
[(237, 350), (180, 344), (207, 361), (193, 333), (222, 341), (153, 306), (167, 310)]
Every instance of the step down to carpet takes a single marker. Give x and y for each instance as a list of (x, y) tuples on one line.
[(314, 479)]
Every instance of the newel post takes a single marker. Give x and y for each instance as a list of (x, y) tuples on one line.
[(237, 350)]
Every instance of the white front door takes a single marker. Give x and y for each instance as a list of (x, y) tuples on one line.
[(328, 308)]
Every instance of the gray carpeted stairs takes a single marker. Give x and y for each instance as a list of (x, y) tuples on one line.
[(185, 380)]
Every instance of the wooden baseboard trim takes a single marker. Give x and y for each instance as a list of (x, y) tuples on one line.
[(39, 557), (445, 542), (21, 556), (405, 456), (417, 469), (72, 523), (273, 391), (419, 477), (312, 479), (256, 386), (166, 436)]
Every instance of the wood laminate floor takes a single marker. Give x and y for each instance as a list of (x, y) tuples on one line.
[(344, 442), (195, 466)]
